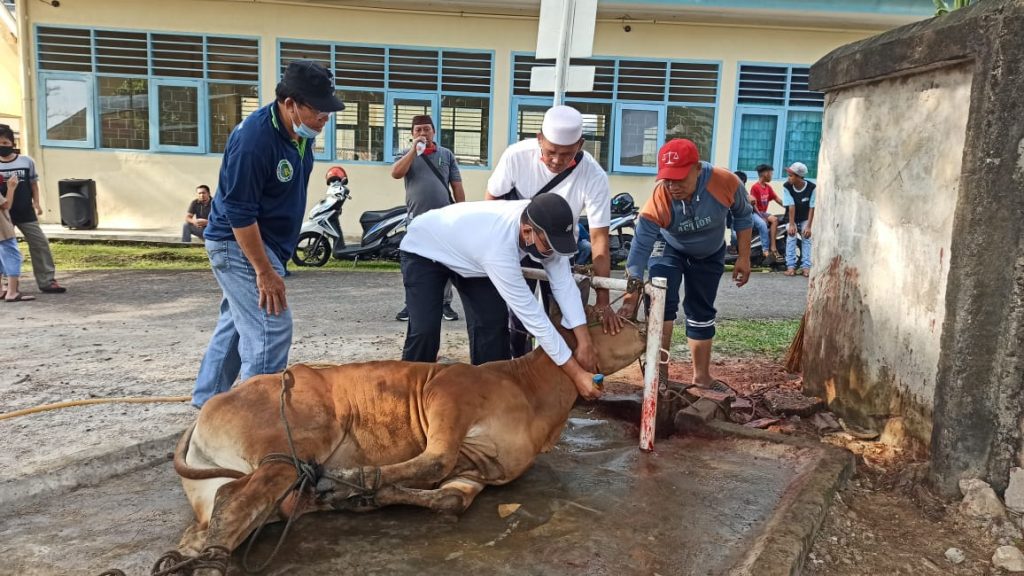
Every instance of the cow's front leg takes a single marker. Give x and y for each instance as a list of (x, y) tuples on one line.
[(423, 471), (448, 426), (453, 497)]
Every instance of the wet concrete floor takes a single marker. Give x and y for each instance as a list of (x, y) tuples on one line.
[(595, 505)]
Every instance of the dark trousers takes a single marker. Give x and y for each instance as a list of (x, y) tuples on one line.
[(520, 340), (699, 279), (486, 312)]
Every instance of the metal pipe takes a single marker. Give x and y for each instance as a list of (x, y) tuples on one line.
[(562, 62), (596, 281), (655, 323), (656, 289)]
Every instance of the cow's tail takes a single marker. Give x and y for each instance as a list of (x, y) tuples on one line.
[(190, 473)]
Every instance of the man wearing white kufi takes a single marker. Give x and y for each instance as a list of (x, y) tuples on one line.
[(555, 162)]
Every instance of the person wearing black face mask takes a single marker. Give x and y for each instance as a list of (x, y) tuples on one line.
[(26, 209), (444, 245)]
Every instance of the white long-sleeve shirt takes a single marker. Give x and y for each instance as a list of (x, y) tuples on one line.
[(586, 189), (481, 239)]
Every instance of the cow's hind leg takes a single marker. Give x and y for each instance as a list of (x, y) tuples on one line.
[(452, 497), (241, 505)]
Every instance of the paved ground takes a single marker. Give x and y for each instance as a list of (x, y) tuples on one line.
[(595, 505), (143, 334)]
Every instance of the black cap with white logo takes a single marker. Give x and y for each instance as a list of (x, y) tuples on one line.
[(313, 84), (551, 214)]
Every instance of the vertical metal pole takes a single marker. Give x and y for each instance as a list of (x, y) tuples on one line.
[(655, 323), (562, 61)]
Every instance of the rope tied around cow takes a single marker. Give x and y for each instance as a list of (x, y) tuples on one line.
[(174, 563), (310, 478)]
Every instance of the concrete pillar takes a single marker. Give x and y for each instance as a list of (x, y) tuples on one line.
[(941, 352)]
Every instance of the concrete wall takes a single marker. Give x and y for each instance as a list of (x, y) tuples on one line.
[(150, 189), (890, 179), (924, 128)]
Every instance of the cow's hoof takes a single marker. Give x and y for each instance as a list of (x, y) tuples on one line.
[(449, 505), (448, 517)]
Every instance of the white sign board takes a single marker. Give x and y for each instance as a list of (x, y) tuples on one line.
[(579, 79), (580, 29)]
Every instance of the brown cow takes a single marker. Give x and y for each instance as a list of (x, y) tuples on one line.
[(385, 433)]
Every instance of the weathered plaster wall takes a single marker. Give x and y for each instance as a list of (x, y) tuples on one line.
[(889, 182), (976, 409)]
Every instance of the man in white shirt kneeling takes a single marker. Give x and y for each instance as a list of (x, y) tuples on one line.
[(479, 245)]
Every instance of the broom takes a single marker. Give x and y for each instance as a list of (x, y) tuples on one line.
[(796, 348)]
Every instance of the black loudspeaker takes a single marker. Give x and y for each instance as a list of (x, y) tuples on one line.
[(78, 204)]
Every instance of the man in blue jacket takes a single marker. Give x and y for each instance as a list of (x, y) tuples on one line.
[(681, 236), (254, 226)]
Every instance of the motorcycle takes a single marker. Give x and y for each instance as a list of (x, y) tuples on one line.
[(757, 259), (321, 236), (621, 228)]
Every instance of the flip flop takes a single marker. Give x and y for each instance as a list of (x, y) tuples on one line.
[(20, 298)]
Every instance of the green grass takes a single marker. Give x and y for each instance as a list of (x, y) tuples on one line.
[(73, 255), (744, 338)]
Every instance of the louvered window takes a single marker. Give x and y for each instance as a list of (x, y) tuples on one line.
[(634, 107), (145, 90), (778, 120), (64, 49), (383, 87), (360, 67)]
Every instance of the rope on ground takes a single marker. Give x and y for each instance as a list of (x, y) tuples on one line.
[(88, 401), (175, 563)]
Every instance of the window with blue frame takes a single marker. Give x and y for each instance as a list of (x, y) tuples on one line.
[(635, 106), (132, 90), (778, 119), (383, 87)]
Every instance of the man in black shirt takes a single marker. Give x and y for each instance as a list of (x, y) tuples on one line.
[(197, 215)]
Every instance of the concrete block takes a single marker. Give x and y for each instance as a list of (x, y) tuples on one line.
[(980, 501), (1008, 558), (1014, 495)]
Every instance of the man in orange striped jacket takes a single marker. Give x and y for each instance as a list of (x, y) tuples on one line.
[(680, 236)]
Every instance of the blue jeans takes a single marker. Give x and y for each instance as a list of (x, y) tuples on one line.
[(805, 248), (247, 339), (762, 229), (583, 250)]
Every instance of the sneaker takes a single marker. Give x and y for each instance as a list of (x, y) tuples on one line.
[(403, 316), (449, 314), (54, 288)]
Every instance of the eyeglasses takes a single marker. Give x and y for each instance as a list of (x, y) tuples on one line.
[(545, 253), (320, 116)]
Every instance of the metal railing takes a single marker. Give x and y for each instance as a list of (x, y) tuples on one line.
[(656, 289)]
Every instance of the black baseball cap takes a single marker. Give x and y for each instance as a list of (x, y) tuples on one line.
[(313, 84), (551, 214)]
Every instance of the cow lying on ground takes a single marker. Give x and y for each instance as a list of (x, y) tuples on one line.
[(385, 433)]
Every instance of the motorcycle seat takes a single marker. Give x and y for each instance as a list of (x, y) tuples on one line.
[(371, 216)]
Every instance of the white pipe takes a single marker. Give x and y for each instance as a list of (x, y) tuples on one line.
[(656, 289), (655, 323), (596, 281), (562, 62)]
